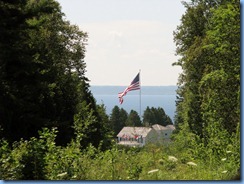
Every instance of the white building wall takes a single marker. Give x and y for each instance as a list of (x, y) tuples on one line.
[(151, 137), (159, 135), (164, 136)]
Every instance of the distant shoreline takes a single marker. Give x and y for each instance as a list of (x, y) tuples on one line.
[(145, 90), (151, 96), (126, 86)]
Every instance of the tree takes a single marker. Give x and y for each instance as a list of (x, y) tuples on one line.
[(107, 131), (29, 79), (188, 38), (133, 119), (208, 41), (220, 84), (148, 117), (154, 115), (42, 71), (118, 118)]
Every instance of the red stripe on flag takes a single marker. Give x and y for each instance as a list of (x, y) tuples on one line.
[(135, 85)]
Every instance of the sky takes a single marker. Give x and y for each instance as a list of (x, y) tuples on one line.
[(125, 36)]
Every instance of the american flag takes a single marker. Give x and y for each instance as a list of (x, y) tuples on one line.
[(134, 85)]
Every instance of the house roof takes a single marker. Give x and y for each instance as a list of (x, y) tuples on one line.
[(160, 127), (132, 131), (172, 127), (143, 131)]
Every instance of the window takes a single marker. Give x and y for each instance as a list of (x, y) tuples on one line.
[(140, 140)]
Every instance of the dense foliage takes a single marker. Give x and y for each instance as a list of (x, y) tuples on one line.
[(119, 118), (154, 115), (208, 102), (40, 158), (133, 119), (42, 74), (208, 41), (51, 127)]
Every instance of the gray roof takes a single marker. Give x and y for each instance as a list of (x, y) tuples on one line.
[(143, 131), (172, 127), (158, 127), (132, 131)]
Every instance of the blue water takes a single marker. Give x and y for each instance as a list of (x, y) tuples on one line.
[(132, 102), (152, 96)]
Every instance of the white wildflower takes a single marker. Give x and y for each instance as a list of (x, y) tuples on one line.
[(228, 151), (62, 174), (191, 163), (223, 159), (224, 172), (172, 158), (152, 171)]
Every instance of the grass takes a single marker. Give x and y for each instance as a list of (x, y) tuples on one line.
[(175, 161), (154, 164)]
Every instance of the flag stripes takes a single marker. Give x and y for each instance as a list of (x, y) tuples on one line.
[(135, 85)]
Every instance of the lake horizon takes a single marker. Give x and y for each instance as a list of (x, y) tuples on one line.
[(151, 96)]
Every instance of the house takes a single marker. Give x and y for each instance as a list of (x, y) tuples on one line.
[(139, 136), (163, 132)]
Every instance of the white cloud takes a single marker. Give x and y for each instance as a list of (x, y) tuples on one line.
[(119, 47)]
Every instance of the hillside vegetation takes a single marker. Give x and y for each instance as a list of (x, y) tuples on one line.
[(52, 129), (185, 159)]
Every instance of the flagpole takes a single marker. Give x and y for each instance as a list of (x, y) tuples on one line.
[(140, 91)]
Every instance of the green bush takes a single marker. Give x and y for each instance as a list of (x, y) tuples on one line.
[(40, 158)]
